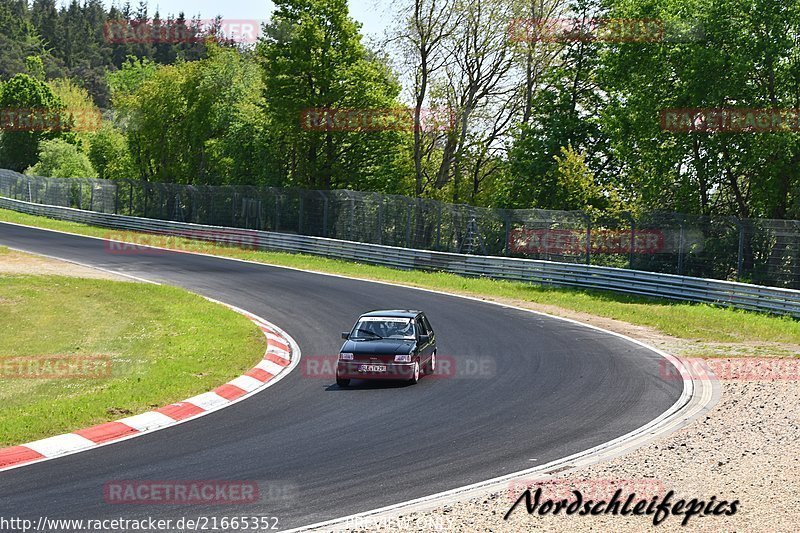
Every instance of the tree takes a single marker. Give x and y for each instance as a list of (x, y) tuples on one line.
[(564, 112), (109, 154), (427, 24), (33, 114), (313, 59), (35, 67), (179, 119), (18, 38), (81, 115), (480, 91), (746, 57), (60, 159)]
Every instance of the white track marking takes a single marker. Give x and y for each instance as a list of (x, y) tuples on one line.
[(207, 401), (246, 383), (148, 421), (60, 445), (269, 366)]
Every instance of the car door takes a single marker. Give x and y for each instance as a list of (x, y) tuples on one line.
[(430, 332), (426, 349)]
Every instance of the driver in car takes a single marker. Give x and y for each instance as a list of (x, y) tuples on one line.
[(406, 331)]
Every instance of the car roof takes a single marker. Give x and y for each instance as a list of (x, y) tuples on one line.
[(394, 313)]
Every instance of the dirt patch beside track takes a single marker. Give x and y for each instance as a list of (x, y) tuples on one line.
[(13, 262)]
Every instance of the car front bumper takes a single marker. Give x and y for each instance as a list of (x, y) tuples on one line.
[(357, 370)]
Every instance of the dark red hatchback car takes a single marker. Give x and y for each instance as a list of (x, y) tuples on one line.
[(390, 345)]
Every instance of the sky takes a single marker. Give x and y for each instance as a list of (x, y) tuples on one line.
[(373, 14)]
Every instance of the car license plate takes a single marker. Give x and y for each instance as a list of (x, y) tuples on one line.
[(371, 368)]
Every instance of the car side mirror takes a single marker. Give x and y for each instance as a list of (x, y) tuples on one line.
[(424, 338), (345, 335)]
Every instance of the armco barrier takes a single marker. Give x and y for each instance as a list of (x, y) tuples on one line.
[(725, 293)]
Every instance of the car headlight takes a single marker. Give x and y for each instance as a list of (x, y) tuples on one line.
[(346, 356), (402, 358)]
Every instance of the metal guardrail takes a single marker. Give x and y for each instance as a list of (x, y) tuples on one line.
[(755, 250), (724, 293)]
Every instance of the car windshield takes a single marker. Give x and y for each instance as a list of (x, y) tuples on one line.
[(372, 328)]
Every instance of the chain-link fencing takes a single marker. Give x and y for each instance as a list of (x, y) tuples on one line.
[(760, 251)]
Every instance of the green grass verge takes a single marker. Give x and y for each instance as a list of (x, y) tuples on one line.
[(164, 345), (682, 320)]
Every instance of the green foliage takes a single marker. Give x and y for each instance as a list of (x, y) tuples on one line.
[(128, 79), (109, 154), (574, 186), (27, 98), (80, 114), (565, 114), (18, 38), (180, 119), (60, 159), (583, 114), (35, 67), (313, 59), (744, 56), (82, 40)]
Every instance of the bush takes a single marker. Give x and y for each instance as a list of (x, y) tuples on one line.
[(110, 155), (60, 159)]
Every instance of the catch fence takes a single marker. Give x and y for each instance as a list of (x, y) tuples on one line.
[(759, 251)]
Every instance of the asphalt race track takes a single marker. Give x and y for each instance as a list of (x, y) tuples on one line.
[(550, 389)]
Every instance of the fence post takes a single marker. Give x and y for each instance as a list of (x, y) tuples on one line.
[(681, 246), (300, 219), (506, 247), (352, 218), (210, 204), (277, 209), (408, 225), (740, 256), (324, 213), (588, 220), (439, 228), (633, 239), (380, 217), (177, 213)]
